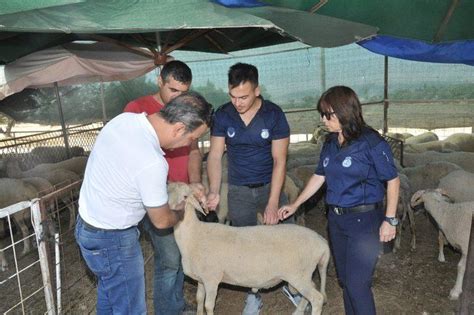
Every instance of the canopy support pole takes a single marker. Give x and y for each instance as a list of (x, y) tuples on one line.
[(385, 96), (323, 70), (104, 111), (61, 118)]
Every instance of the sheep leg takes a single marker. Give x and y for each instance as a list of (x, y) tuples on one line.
[(457, 289), (309, 292), (200, 295), (3, 261), (411, 217), (20, 222), (441, 243), (323, 269), (210, 300)]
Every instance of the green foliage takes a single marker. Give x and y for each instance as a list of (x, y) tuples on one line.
[(213, 94)]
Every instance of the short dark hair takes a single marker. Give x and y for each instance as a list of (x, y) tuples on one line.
[(189, 108), (241, 73), (178, 70), (345, 104)]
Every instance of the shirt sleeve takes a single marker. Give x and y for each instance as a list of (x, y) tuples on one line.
[(218, 129), (383, 160), (282, 128), (132, 107), (151, 182)]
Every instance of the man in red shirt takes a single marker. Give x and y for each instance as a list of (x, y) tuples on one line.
[(184, 166)]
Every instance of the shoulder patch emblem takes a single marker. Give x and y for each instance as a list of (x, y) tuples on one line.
[(326, 162), (265, 134), (230, 132), (347, 161)]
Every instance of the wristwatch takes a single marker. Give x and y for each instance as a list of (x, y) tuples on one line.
[(393, 221)]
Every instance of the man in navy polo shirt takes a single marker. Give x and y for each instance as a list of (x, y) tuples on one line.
[(256, 134)]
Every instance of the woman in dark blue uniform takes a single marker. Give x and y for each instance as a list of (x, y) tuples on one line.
[(357, 165)]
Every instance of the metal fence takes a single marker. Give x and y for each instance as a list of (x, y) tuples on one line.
[(50, 146)]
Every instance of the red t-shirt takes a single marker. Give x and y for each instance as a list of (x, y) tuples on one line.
[(178, 158)]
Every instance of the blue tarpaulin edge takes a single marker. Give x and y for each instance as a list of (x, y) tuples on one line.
[(239, 3), (455, 52)]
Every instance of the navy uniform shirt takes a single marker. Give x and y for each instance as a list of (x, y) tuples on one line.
[(249, 148), (356, 174)]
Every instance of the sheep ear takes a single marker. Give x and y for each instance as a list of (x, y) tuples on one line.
[(415, 199), (194, 203), (442, 191)]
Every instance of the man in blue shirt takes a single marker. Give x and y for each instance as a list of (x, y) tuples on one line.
[(256, 134)]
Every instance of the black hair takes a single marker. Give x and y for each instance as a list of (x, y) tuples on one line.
[(241, 73), (178, 70)]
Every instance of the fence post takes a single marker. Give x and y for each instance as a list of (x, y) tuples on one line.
[(43, 256)]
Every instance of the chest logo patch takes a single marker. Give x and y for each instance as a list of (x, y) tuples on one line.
[(347, 161), (326, 162), (230, 132), (265, 134)]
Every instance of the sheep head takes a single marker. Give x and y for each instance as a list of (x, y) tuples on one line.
[(438, 194), (180, 192)]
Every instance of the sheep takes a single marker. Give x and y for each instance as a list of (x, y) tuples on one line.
[(464, 141), (14, 191), (255, 256), (424, 137), (428, 175), (54, 154), (463, 159), (404, 210), (56, 176), (76, 165), (439, 146), (455, 220), (458, 186)]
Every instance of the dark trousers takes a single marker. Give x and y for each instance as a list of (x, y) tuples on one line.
[(355, 244)]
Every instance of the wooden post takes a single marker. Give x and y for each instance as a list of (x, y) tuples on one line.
[(467, 296)]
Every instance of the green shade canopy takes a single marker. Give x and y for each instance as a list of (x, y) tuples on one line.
[(194, 25), (427, 20)]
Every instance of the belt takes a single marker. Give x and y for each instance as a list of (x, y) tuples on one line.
[(357, 209), (255, 185), (91, 227)]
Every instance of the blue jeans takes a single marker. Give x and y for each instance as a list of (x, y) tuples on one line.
[(355, 245), (116, 258), (245, 202), (168, 278)]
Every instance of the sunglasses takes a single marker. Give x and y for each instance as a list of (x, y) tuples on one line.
[(327, 115)]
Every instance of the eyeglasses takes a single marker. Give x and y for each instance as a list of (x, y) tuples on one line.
[(327, 115)]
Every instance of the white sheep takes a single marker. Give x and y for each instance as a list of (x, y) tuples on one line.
[(458, 186), (76, 165), (463, 159), (255, 256), (428, 175), (464, 141), (455, 220), (438, 145), (424, 137), (404, 210), (14, 191)]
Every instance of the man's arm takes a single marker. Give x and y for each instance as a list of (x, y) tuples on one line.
[(214, 170), (163, 217), (194, 163), (279, 152)]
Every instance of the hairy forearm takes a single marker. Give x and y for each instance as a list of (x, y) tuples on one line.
[(194, 166)]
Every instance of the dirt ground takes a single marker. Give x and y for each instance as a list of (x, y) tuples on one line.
[(405, 282)]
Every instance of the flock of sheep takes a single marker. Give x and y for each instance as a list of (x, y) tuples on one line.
[(17, 185), (437, 175)]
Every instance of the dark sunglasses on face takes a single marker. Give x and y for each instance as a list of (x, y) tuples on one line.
[(327, 115)]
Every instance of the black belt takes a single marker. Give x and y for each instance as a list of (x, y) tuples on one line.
[(362, 208), (91, 227), (255, 185)]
